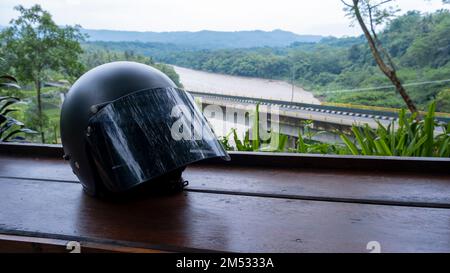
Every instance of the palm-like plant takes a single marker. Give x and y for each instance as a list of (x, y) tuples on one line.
[(9, 126), (407, 137), (276, 143)]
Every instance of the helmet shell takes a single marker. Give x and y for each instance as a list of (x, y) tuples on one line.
[(102, 84)]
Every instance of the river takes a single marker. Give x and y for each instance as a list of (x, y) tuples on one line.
[(200, 81)]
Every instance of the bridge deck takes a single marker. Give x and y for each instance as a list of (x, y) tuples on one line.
[(323, 113), (328, 207)]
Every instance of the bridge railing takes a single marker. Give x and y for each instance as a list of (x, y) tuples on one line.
[(338, 110)]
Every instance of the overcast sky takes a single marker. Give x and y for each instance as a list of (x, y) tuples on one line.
[(323, 17)]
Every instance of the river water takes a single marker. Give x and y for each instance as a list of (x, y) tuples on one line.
[(199, 81)]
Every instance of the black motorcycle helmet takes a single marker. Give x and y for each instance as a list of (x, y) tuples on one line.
[(124, 124)]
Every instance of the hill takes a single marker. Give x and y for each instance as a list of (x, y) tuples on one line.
[(205, 39), (337, 69)]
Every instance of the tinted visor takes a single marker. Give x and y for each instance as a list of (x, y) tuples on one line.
[(147, 134)]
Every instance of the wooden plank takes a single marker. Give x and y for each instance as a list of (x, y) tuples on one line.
[(27, 244), (36, 168), (318, 161), (395, 188), (275, 160), (219, 222), (391, 188)]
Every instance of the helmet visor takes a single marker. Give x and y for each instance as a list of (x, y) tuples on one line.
[(147, 134)]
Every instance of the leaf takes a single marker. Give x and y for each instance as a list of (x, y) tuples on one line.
[(409, 149), (9, 82), (429, 131), (301, 146), (225, 141), (8, 78), (8, 102), (401, 118), (401, 144), (278, 142), (255, 129), (9, 111), (247, 143), (273, 143), (361, 141), (381, 128), (8, 97), (419, 144), (350, 144), (239, 145), (392, 139), (445, 148), (369, 138), (9, 85), (23, 130), (382, 147), (3, 118), (9, 124)]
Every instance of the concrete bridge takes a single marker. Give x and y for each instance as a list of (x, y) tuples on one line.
[(292, 114)]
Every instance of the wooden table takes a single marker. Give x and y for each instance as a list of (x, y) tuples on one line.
[(256, 203)]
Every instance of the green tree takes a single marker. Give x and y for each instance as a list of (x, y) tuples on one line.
[(95, 56), (33, 46), (369, 14), (372, 13), (432, 48)]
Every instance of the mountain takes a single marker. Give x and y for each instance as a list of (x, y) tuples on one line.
[(205, 39)]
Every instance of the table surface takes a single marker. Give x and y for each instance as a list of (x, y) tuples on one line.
[(234, 208)]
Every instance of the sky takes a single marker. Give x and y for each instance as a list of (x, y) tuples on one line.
[(319, 17)]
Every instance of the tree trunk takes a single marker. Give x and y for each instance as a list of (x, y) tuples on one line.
[(388, 71), (37, 84)]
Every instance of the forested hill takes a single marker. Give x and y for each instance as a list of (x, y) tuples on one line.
[(419, 44), (205, 39)]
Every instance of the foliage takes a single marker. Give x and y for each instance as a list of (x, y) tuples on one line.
[(97, 55), (9, 86), (38, 51), (34, 46), (370, 14), (418, 43), (247, 144), (307, 145), (254, 143), (432, 48), (32, 119), (9, 126), (443, 99), (278, 141), (407, 137)]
